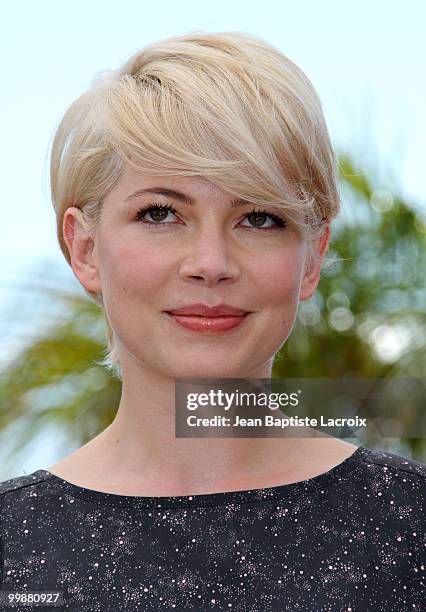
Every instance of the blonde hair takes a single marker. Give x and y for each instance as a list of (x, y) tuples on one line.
[(227, 106)]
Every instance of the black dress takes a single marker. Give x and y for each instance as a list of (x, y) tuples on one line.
[(349, 540)]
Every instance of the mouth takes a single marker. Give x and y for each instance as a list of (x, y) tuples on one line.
[(208, 324)]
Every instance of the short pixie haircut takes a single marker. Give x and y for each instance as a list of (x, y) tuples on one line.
[(227, 106)]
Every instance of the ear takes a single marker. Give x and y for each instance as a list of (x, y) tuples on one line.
[(313, 271), (80, 247)]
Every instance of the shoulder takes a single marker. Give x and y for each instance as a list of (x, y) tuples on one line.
[(386, 461), (19, 486), (396, 462), (382, 483), (388, 481)]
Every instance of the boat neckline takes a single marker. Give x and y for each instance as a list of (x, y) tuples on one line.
[(317, 483)]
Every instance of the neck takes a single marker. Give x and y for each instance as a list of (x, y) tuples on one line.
[(140, 446)]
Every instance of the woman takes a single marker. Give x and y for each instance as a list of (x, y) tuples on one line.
[(199, 181)]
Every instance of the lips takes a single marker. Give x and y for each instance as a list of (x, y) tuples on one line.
[(204, 310), (209, 319)]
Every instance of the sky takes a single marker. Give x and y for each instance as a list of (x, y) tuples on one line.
[(366, 60)]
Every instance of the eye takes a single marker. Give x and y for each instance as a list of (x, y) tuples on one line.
[(258, 217), (157, 211)]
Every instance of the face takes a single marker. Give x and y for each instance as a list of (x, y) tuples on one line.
[(211, 251)]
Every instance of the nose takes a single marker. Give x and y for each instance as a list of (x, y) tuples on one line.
[(210, 259)]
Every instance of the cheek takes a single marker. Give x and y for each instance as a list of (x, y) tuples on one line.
[(279, 278), (279, 289), (129, 270)]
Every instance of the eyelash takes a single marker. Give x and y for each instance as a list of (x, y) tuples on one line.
[(280, 223)]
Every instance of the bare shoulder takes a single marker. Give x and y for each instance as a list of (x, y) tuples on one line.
[(85, 466)]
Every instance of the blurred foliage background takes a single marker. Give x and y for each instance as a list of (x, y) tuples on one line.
[(367, 319)]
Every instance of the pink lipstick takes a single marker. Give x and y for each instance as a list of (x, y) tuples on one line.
[(211, 319)]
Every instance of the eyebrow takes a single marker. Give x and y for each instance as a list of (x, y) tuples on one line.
[(178, 195)]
